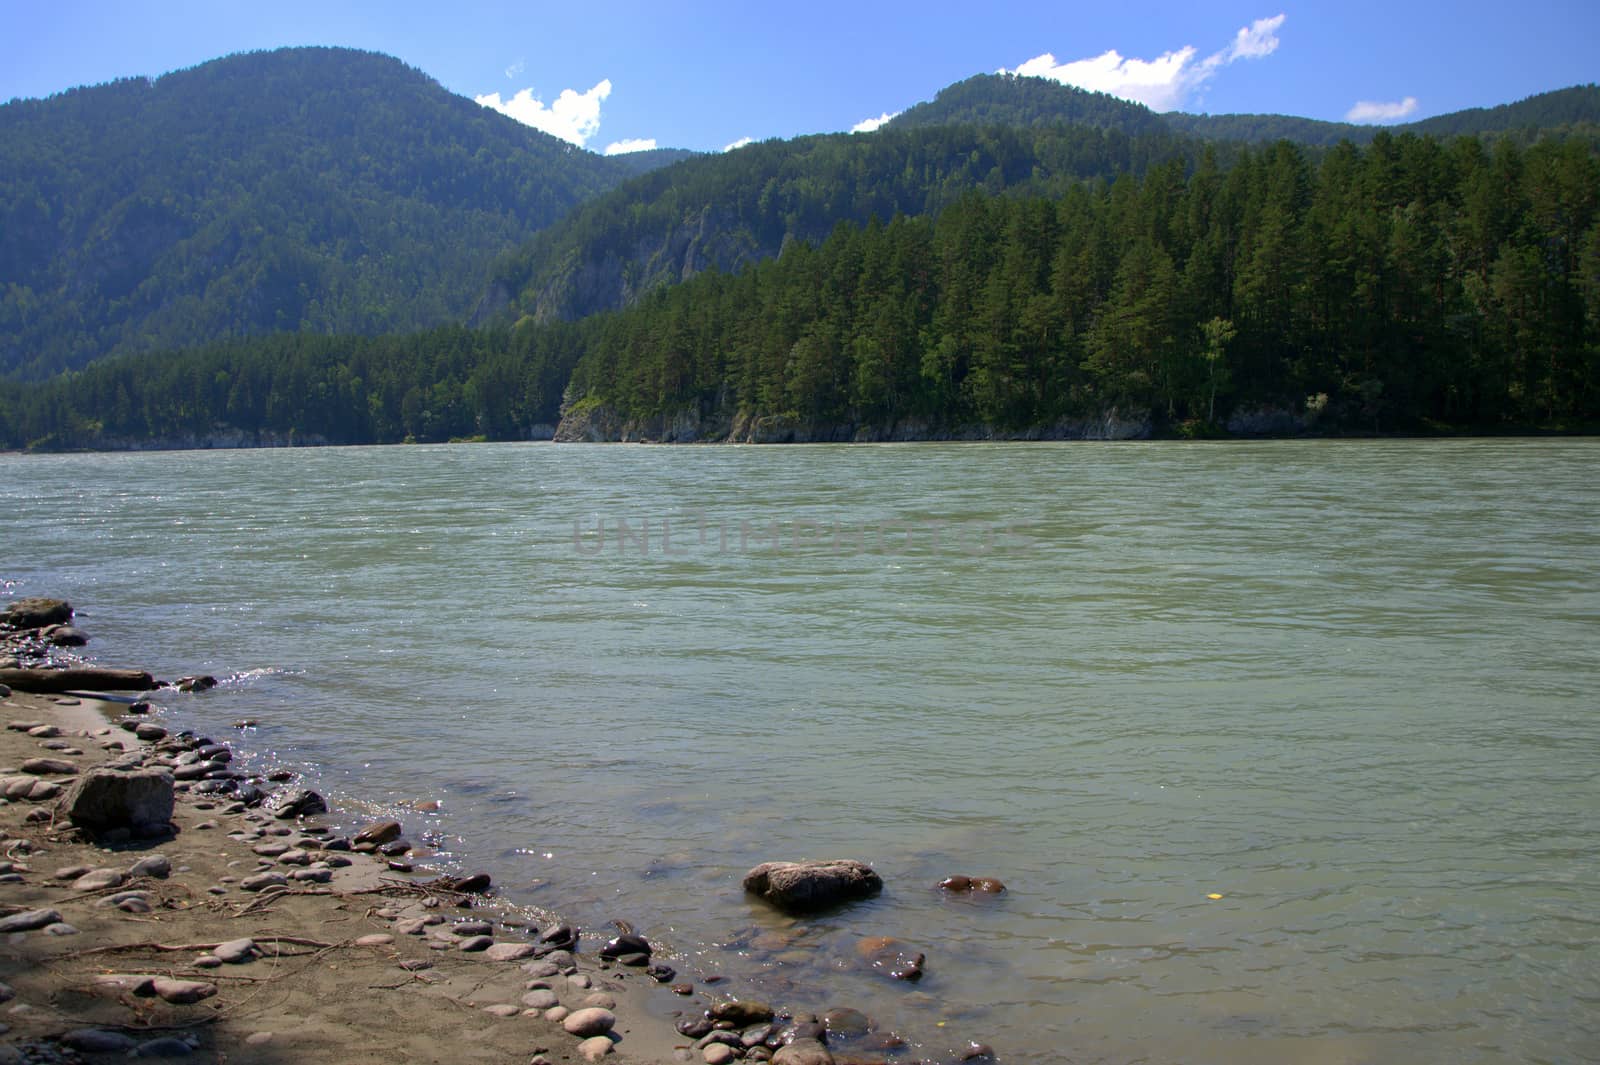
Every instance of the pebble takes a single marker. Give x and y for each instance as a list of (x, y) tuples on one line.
[(71, 872), (46, 766), (29, 920), (594, 1020), (42, 732), (264, 880), (208, 961), (601, 999), (376, 939), (156, 865), (556, 1014), (379, 833), (236, 951), (473, 944), (500, 1009), (411, 927), (99, 1041), (257, 1039), (510, 951), (580, 981), (165, 1047), (717, 1054), (595, 1048), (182, 992), (540, 999), (60, 928), (472, 928)]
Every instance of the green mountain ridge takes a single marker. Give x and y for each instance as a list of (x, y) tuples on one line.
[(998, 132), (317, 189)]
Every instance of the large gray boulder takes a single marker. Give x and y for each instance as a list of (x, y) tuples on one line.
[(104, 799), (797, 887)]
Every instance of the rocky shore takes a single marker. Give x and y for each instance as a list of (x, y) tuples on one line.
[(157, 901)]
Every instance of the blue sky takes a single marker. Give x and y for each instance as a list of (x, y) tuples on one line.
[(708, 75)]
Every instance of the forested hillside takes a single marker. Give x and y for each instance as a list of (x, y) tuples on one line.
[(996, 132), (729, 210), (1413, 285), (1574, 110), (316, 189)]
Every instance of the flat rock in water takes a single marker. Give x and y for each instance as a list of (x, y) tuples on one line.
[(379, 833), (798, 887), (297, 802), (803, 1052), (86, 678), (627, 943), (35, 612), (473, 944), (889, 955), (961, 885), (741, 1013)]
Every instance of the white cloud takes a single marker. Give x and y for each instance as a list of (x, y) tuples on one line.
[(740, 143), (1381, 111), (515, 70), (637, 144), (868, 125), (1256, 40), (1163, 83), (575, 116)]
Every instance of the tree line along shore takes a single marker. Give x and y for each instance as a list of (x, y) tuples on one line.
[(1411, 285)]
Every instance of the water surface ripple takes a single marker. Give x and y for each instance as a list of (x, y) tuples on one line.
[(1351, 687)]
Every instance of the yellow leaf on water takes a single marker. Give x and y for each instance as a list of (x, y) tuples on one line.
[(1213, 895)]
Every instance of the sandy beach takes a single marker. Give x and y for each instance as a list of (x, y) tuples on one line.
[(331, 974)]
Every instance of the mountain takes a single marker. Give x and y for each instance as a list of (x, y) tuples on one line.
[(308, 189), (998, 132), (1572, 108), (1029, 102), (1012, 100), (729, 210)]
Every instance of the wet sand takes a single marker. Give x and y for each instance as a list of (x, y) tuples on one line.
[(317, 987)]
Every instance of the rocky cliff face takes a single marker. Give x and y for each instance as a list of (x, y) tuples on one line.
[(591, 281)]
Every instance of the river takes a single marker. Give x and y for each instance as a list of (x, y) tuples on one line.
[(1288, 751)]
